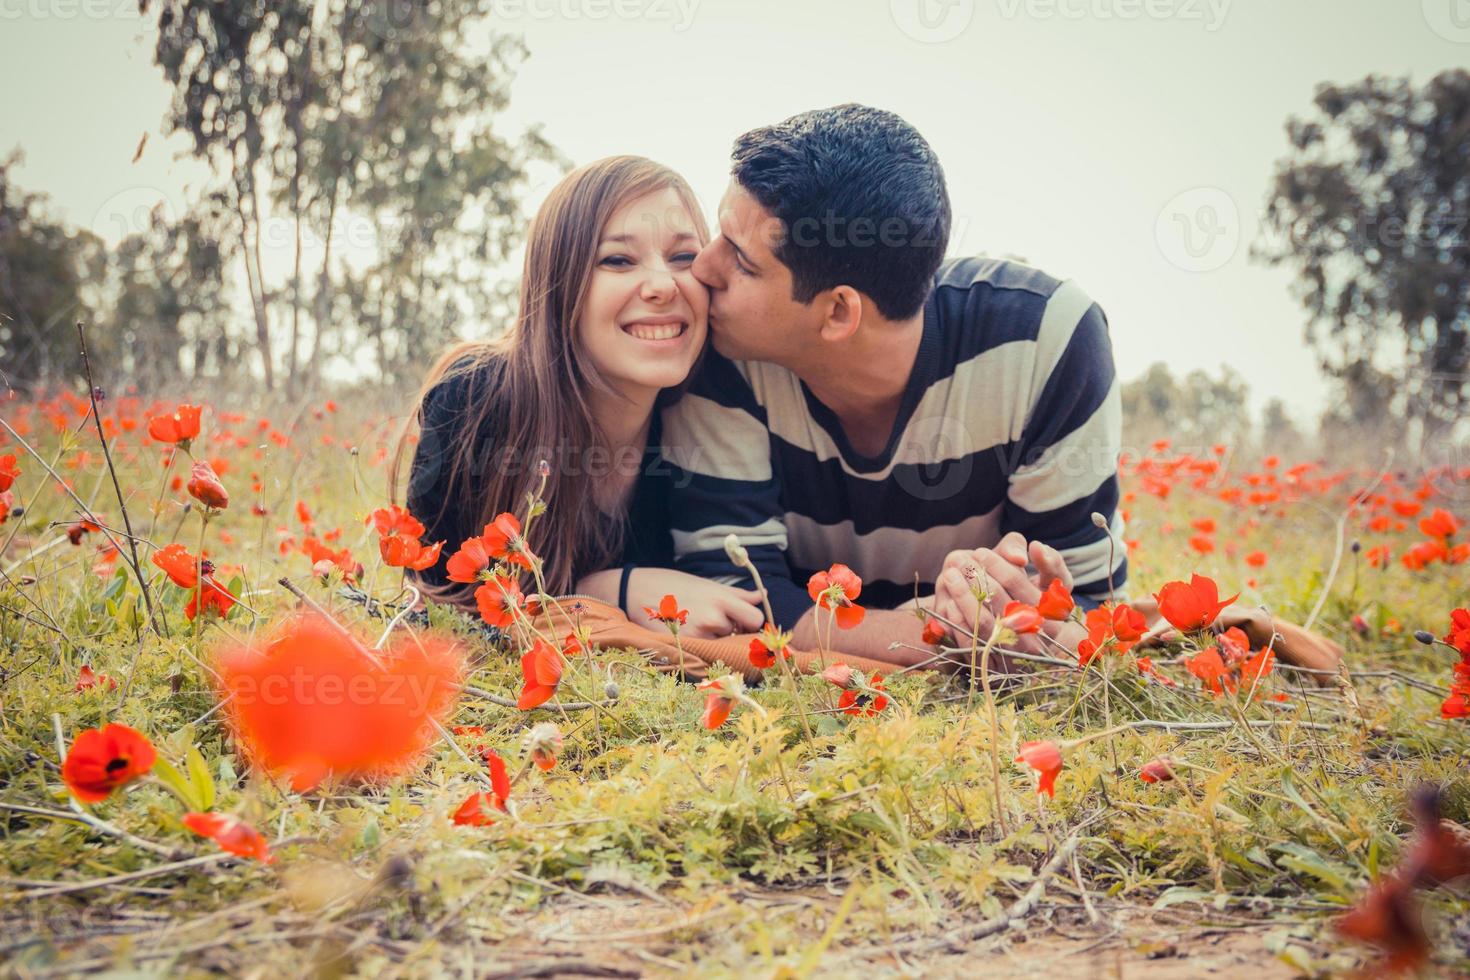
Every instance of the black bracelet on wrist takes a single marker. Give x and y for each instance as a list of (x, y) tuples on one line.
[(623, 588)]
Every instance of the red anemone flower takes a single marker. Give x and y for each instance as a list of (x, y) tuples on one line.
[(837, 589), (86, 679), (541, 667), (1193, 605), (216, 598), (1056, 602), (761, 656), (864, 701), (178, 563), (934, 632), (502, 538), (231, 834), (178, 428), (717, 703), (1211, 670), (1046, 759), (469, 562), (1021, 617), (102, 759), (499, 600), (8, 471), (668, 613)]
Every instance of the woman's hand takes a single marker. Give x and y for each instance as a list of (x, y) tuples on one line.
[(715, 610)]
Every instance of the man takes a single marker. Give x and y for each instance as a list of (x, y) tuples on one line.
[(932, 424)]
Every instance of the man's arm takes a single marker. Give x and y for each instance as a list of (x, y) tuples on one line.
[(718, 445), (1069, 449)]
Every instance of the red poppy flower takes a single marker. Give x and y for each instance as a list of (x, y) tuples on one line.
[(837, 589), (469, 562), (8, 471), (1056, 602), (179, 428), (1157, 771), (1202, 543), (1257, 667), (86, 680), (1046, 759), (102, 759), (1211, 670), (1439, 524), (502, 538), (216, 599), (668, 613), (541, 667), (1256, 559), (1459, 634), (396, 521), (401, 552), (1191, 606), (717, 703), (864, 700), (761, 656), (1021, 618), (178, 563), (475, 810), (231, 834), (499, 600), (934, 632)]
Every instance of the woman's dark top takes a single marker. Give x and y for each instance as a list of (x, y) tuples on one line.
[(646, 537)]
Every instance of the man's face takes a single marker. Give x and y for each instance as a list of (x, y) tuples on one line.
[(752, 316)]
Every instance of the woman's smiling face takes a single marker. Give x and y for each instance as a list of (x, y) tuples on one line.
[(645, 316)]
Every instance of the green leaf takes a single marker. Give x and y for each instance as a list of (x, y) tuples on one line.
[(1304, 860), (199, 777), (174, 780), (1178, 895)]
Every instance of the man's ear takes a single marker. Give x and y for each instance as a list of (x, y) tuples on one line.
[(843, 313)]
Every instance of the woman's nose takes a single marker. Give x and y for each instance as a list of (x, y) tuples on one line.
[(658, 284)]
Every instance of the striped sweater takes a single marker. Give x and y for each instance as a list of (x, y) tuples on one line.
[(1011, 421)]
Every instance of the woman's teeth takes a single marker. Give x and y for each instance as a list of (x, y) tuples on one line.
[(650, 331)]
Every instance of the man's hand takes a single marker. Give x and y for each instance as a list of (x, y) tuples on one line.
[(1000, 572)]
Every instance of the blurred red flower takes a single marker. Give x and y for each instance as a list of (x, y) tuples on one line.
[(231, 834), (1046, 759)]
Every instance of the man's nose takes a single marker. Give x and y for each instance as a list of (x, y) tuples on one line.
[(705, 268)]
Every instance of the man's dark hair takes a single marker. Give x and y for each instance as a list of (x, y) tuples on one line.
[(861, 199)]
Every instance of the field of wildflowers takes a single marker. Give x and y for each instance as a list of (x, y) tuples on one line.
[(228, 742)]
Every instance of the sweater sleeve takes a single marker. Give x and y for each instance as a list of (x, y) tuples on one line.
[(718, 446), (1069, 449)]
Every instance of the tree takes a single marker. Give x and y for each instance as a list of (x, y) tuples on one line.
[(47, 282), (1193, 413), (1372, 211), (338, 112)]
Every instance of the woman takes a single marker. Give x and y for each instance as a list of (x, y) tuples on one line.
[(611, 322)]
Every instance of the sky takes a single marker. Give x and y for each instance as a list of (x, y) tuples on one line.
[(1126, 144)]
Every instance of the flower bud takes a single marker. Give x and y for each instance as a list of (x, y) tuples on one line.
[(839, 674), (1099, 520), (1424, 636), (543, 744), (736, 551), (611, 690)]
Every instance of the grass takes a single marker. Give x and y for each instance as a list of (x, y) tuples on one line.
[(655, 845)]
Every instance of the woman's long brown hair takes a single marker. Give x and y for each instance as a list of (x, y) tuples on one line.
[(534, 380)]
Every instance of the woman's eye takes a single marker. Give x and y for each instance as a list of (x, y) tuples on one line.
[(684, 258), (617, 261)]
